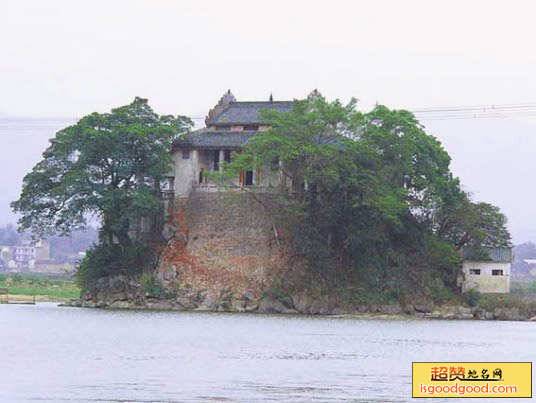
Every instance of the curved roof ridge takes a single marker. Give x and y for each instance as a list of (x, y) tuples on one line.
[(246, 112)]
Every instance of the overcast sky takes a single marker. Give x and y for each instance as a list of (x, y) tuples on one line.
[(66, 59)]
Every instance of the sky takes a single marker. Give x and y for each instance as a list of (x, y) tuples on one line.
[(60, 60)]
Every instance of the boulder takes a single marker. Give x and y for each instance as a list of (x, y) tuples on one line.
[(423, 308), (210, 301), (443, 312), (101, 304), (340, 311), (302, 303), (74, 303), (375, 308), (238, 305), (508, 314), (120, 305), (317, 307), (116, 296), (89, 304), (161, 304), (251, 307), (320, 306), (363, 308), (392, 309), (270, 305), (463, 312), (479, 313), (451, 312), (185, 303), (407, 309)]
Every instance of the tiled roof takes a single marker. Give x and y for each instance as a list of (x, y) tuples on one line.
[(501, 255), (247, 112), (214, 139)]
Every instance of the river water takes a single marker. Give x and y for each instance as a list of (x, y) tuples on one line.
[(58, 354)]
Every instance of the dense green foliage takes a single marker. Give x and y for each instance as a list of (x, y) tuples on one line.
[(108, 260), (108, 166), (372, 200)]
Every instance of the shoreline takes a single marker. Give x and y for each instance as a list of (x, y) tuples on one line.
[(38, 298), (443, 312)]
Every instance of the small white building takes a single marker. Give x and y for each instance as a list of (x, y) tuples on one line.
[(488, 276)]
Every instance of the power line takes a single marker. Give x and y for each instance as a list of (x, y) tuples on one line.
[(493, 111), (487, 111), (474, 107)]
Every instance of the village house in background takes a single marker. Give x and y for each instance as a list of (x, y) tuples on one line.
[(488, 276), (29, 256)]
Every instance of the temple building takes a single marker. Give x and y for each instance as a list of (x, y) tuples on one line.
[(229, 126)]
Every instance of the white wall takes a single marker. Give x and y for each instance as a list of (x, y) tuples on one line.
[(486, 282), (186, 172)]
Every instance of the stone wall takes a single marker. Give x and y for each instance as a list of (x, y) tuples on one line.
[(224, 244)]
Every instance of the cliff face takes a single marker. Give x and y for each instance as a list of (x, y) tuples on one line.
[(224, 254), (224, 250)]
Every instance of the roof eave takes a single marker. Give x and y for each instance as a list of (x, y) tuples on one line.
[(236, 123), (193, 147)]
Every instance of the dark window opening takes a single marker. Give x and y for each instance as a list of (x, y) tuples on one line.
[(249, 178), (227, 156), (251, 127), (201, 176), (274, 163), (475, 272), (223, 127), (185, 154), (497, 272), (216, 160)]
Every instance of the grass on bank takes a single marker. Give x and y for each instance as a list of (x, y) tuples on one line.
[(40, 286)]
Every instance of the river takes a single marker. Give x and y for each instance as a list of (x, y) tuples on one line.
[(88, 355)]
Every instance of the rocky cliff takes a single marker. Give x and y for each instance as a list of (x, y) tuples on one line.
[(226, 253), (224, 249)]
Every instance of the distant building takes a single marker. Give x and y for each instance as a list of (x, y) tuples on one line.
[(29, 251), (490, 275), (34, 256), (6, 254)]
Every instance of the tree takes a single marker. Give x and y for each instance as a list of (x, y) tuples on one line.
[(474, 225), (107, 164), (369, 193)]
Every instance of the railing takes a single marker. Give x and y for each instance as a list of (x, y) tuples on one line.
[(212, 187), (168, 194)]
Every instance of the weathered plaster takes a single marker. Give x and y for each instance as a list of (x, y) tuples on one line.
[(486, 282)]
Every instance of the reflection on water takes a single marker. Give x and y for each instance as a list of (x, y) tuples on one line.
[(86, 355)]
